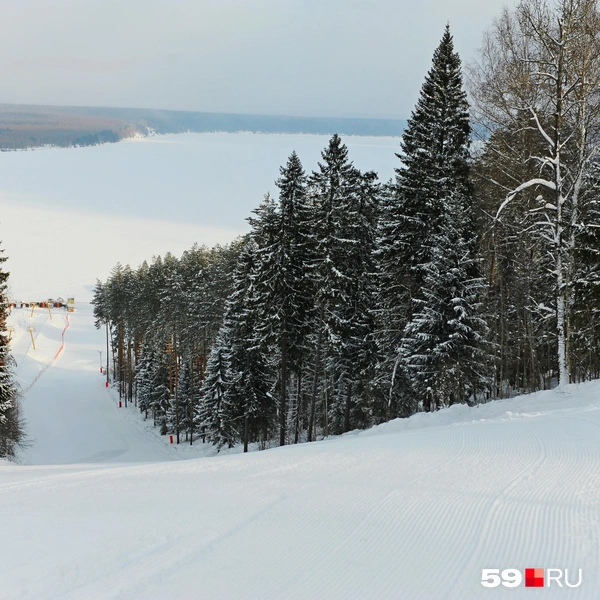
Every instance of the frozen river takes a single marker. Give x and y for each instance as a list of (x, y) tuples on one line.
[(94, 206)]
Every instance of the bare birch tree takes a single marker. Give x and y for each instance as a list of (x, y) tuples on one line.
[(539, 73)]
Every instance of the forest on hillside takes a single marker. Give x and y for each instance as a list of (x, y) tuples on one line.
[(472, 276), (28, 126)]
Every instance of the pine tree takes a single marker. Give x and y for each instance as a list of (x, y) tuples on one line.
[(283, 300), (11, 424), (330, 186), (344, 218), (209, 414), (246, 411), (163, 319), (442, 339)]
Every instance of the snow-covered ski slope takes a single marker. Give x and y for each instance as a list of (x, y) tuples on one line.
[(414, 509), (71, 417)]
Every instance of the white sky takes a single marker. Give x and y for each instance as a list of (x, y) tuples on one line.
[(361, 58)]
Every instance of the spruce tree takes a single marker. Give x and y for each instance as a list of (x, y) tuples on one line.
[(144, 381), (393, 305), (434, 237), (209, 414), (434, 156), (280, 230), (330, 186), (344, 218), (246, 411), (444, 344), (359, 350), (11, 425)]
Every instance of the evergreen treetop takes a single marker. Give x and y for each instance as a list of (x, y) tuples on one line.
[(435, 144)]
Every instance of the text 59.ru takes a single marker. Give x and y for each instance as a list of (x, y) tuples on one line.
[(512, 578)]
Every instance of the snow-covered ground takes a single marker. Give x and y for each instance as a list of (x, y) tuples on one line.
[(67, 215), (414, 509)]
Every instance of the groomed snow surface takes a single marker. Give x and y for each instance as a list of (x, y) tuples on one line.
[(413, 509)]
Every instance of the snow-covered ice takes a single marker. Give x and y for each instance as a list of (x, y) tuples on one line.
[(413, 509), (67, 215)]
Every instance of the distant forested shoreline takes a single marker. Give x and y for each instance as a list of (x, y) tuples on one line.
[(31, 126)]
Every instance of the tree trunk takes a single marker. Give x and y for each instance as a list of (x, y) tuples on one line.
[(176, 385), (315, 386), (561, 284), (283, 387), (130, 371), (191, 415), (121, 361), (347, 407), (298, 406)]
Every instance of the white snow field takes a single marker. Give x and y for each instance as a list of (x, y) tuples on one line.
[(413, 509)]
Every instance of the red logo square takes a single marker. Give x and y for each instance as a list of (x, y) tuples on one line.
[(534, 577)]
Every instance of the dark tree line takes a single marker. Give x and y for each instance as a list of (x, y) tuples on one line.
[(352, 301), (162, 320)]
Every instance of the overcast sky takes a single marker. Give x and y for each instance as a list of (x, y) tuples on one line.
[(350, 58)]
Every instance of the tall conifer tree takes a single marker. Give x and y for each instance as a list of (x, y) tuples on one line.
[(345, 211), (431, 244), (330, 186), (210, 410), (281, 232), (241, 407)]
